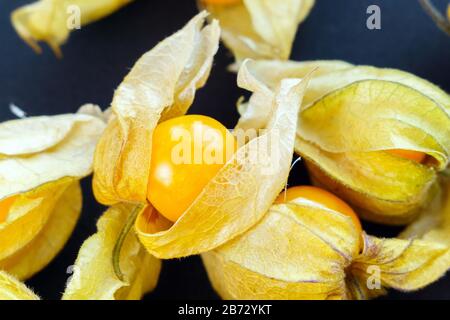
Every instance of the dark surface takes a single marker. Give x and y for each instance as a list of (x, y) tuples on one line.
[(97, 57)]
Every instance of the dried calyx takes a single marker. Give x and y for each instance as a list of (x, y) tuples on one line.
[(258, 29), (385, 165), (47, 203), (309, 247), (52, 21), (378, 138)]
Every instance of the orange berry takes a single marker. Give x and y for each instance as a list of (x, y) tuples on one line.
[(322, 197), (416, 156), (187, 152), (5, 206), (222, 2)]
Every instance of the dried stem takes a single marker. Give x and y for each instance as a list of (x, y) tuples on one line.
[(437, 17)]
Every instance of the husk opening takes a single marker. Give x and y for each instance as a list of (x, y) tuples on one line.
[(241, 193)]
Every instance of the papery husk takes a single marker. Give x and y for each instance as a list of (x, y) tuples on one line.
[(405, 265), (260, 29), (30, 253), (301, 251), (343, 134), (242, 191), (160, 86), (295, 252), (331, 81), (266, 75), (28, 216), (94, 277), (352, 161), (48, 20), (13, 289), (433, 224), (43, 179), (66, 151)]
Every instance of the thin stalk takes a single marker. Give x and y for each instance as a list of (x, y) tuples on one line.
[(437, 17), (121, 239)]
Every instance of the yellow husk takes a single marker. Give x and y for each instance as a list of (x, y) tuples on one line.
[(350, 116), (160, 86), (288, 255), (13, 289), (301, 251), (49, 224), (267, 75), (50, 154), (36, 254), (94, 277), (405, 265), (241, 193), (369, 117), (49, 20), (42, 173), (433, 223), (260, 29)]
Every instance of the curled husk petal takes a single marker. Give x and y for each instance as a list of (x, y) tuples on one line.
[(93, 274), (266, 75), (23, 168), (302, 251), (242, 191), (39, 185), (350, 116), (50, 20), (260, 29), (13, 289), (50, 239), (433, 224), (160, 86), (405, 265)]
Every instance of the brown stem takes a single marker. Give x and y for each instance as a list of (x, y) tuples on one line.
[(437, 17)]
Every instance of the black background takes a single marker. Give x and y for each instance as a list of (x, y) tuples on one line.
[(97, 57)]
